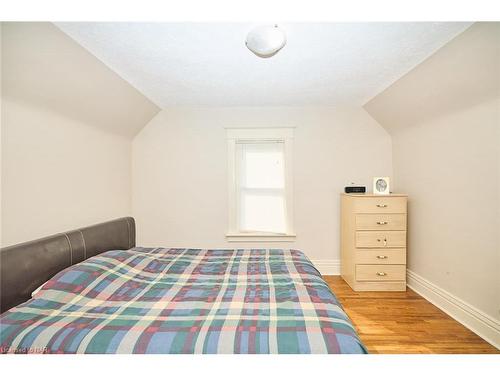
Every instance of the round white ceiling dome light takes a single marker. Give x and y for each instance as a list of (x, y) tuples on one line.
[(266, 41)]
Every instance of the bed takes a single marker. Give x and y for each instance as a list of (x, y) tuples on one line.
[(130, 299)]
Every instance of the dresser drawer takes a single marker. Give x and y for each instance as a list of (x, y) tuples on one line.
[(381, 256), (382, 205), (383, 272), (380, 239), (381, 222)]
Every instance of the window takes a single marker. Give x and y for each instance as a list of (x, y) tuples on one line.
[(260, 184)]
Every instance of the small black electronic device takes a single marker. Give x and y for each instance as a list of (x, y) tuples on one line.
[(355, 189)]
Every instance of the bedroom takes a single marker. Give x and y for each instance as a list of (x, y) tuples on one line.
[(180, 187)]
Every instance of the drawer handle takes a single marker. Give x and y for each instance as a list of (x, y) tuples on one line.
[(382, 256), (382, 222), (381, 274), (385, 241), (381, 205)]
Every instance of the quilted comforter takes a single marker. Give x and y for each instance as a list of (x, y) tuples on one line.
[(157, 300)]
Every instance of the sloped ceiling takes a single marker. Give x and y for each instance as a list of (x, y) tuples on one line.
[(41, 65), (208, 64), (463, 73)]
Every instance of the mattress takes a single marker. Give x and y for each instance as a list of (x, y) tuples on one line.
[(160, 300)]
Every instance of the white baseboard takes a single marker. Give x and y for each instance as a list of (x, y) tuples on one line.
[(477, 321), (327, 267)]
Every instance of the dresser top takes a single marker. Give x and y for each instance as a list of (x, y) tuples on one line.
[(373, 195)]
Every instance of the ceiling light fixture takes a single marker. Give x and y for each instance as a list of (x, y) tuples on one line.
[(266, 41)]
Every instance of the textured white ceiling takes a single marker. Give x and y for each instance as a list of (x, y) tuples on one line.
[(207, 64)]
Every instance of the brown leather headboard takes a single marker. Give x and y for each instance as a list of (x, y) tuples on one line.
[(26, 266)]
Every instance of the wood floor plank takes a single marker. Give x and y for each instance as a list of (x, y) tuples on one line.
[(405, 323)]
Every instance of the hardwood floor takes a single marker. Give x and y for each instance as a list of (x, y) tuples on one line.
[(404, 323)]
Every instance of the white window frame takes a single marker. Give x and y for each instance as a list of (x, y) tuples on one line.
[(257, 135)]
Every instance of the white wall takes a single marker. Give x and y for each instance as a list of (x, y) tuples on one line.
[(179, 192), (66, 138), (449, 166), (444, 119), (1, 105), (45, 67), (58, 174)]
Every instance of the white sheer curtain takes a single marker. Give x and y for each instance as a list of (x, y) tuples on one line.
[(261, 186)]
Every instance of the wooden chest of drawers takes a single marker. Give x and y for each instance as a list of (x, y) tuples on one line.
[(373, 241)]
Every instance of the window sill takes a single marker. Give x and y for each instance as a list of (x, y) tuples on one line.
[(259, 237)]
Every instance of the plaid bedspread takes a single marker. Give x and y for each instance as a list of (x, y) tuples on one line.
[(156, 300)]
